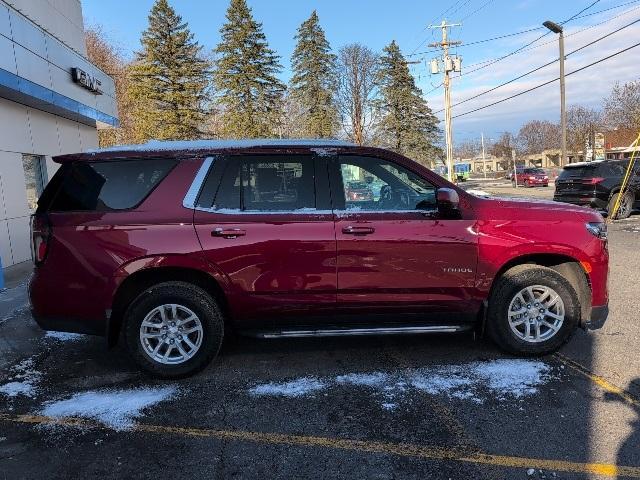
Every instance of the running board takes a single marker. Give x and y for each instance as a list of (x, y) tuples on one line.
[(355, 331)]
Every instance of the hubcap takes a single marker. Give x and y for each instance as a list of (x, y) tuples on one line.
[(171, 334), (536, 313)]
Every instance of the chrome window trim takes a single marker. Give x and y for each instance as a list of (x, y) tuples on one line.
[(228, 211), (189, 200)]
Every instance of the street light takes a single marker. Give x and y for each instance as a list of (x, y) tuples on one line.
[(555, 28)]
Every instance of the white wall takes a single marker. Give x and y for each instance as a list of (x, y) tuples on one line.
[(26, 130)]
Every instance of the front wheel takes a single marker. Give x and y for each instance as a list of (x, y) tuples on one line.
[(173, 329), (533, 310), (625, 207)]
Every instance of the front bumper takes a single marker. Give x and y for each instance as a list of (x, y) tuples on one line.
[(598, 317)]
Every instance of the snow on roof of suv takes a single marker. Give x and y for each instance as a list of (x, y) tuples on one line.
[(158, 145)]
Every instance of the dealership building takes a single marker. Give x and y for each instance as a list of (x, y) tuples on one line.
[(52, 100)]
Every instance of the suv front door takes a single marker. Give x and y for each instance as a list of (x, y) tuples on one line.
[(261, 222), (396, 254)]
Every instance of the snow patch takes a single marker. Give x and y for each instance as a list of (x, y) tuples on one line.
[(478, 193), (502, 380), (24, 379), (117, 409), (65, 336), (294, 388)]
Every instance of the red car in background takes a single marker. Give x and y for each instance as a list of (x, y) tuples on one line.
[(358, 191), (531, 177)]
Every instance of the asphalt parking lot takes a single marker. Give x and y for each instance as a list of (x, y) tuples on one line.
[(446, 407)]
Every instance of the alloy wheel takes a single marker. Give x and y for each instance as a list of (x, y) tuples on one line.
[(171, 334), (536, 313)]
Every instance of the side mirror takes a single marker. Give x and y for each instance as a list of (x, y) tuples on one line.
[(448, 203)]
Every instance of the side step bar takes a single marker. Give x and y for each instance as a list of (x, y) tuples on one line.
[(355, 331)]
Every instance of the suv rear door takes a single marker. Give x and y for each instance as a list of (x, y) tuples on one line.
[(265, 221), (396, 255)]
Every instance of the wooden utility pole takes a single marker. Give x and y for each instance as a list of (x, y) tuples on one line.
[(449, 64)]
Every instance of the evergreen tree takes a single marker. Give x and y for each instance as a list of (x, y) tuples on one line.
[(250, 93), (168, 81), (313, 81), (407, 124)]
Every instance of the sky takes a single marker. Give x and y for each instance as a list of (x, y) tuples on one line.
[(376, 23)]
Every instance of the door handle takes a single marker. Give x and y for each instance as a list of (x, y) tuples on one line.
[(228, 232), (351, 230)]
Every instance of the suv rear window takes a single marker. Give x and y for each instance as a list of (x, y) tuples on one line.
[(104, 186), (583, 171)]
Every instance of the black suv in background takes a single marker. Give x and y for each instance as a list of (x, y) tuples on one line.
[(597, 184)]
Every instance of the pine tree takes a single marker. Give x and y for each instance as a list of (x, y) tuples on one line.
[(407, 124), (250, 93), (314, 81), (168, 81)]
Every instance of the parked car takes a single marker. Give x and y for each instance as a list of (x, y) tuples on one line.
[(531, 177), (171, 244), (358, 191), (597, 185)]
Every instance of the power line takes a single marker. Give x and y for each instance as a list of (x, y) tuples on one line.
[(542, 66), (548, 82), (477, 10)]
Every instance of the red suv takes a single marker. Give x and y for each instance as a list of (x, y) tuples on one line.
[(531, 177), (171, 244)]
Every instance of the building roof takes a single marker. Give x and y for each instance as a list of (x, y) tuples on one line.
[(620, 138)]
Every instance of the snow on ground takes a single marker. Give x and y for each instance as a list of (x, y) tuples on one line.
[(502, 379), (117, 409), (478, 193), (24, 379), (296, 388), (65, 337)]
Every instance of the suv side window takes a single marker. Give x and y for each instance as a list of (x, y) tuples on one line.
[(106, 185), (267, 183), (374, 184)]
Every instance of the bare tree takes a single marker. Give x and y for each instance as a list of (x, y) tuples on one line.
[(581, 122), (468, 148), (109, 58), (357, 74), (504, 145), (622, 106), (538, 135)]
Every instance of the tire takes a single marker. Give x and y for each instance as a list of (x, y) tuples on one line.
[(505, 292), (194, 308), (626, 206), (526, 184)]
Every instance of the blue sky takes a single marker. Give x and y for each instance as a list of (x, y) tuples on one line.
[(376, 22)]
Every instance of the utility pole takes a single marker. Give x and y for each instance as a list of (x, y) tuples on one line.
[(484, 167), (449, 64), (555, 28), (515, 169)]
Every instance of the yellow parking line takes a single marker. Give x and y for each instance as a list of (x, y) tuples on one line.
[(598, 380), (399, 449)]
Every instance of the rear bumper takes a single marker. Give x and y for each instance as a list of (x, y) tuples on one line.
[(70, 325), (598, 317), (590, 201)]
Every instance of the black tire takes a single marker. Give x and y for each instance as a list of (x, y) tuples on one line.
[(190, 296), (512, 282), (626, 206)]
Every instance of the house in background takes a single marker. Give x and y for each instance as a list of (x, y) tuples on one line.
[(52, 99)]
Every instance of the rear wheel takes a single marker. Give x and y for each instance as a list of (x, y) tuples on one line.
[(526, 183), (173, 329), (625, 208), (533, 310)]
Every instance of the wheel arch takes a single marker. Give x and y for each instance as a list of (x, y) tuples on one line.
[(135, 283), (567, 266)]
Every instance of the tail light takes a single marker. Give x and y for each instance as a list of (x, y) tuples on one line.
[(40, 236), (592, 180)]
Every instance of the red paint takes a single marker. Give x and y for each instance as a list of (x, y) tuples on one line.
[(287, 267)]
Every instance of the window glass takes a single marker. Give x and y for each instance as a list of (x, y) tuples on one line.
[(228, 196), (111, 185), (374, 184), (35, 176)]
